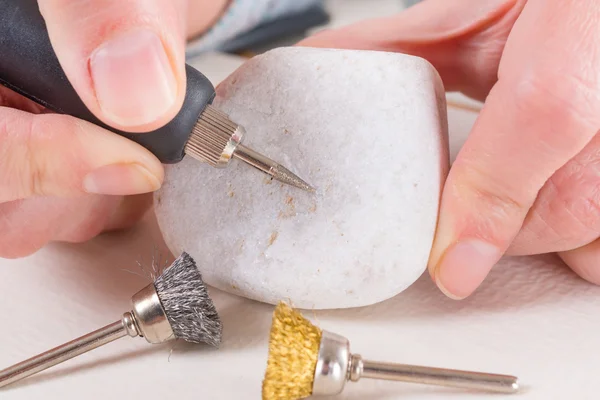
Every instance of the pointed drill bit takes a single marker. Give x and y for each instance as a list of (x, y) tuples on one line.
[(271, 168), (216, 139)]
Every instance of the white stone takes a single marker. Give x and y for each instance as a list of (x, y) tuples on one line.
[(369, 130)]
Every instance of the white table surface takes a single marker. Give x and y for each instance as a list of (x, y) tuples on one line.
[(532, 318)]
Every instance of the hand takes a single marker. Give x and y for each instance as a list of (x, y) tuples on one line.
[(62, 179), (527, 180)]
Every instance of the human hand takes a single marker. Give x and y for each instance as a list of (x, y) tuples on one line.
[(63, 179), (527, 180)]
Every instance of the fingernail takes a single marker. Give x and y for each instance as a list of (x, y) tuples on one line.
[(133, 78), (464, 266), (121, 180)]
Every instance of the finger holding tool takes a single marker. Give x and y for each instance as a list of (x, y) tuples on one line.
[(29, 66), (175, 306)]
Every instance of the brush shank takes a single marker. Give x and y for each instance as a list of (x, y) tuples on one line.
[(432, 376), (68, 351)]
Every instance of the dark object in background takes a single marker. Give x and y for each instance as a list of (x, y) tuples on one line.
[(281, 28)]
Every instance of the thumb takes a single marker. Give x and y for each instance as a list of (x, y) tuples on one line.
[(463, 39), (125, 59)]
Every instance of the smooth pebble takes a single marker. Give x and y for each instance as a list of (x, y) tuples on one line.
[(368, 130)]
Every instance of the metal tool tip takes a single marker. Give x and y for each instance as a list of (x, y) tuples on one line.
[(284, 175), (271, 168), (515, 385)]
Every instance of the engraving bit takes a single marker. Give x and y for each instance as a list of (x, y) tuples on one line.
[(216, 139)]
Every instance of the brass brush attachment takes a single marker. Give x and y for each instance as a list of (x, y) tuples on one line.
[(175, 306), (216, 139), (307, 361)]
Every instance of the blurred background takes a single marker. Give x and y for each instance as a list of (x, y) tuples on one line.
[(285, 22), (285, 26)]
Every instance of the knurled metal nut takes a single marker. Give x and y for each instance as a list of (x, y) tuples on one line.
[(214, 138)]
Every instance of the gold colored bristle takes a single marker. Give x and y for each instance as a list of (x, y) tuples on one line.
[(293, 352)]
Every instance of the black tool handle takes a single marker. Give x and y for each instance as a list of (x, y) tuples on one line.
[(29, 66)]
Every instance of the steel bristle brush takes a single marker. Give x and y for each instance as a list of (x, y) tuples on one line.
[(175, 306), (307, 361)]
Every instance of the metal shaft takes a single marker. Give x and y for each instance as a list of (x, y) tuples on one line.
[(255, 159), (432, 376), (69, 350)]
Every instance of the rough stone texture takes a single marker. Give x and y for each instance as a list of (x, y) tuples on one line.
[(369, 130)]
